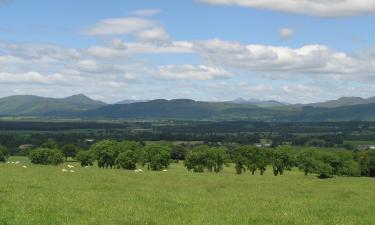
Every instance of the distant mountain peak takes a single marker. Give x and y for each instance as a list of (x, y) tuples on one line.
[(82, 99)]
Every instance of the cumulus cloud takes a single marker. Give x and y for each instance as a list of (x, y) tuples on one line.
[(156, 35), (132, 48), (145, 12), (191, 72), (38, 78), (320, 8), (118, 26), (286, 33), (309, 59)]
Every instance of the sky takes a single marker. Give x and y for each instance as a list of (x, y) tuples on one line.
[(212, 50)]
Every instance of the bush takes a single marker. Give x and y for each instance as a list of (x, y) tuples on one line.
[(86, 158), (4, 153), (127, 160), (205, 157), (157, 157), (46, 156), (105, 152), (69, 150)]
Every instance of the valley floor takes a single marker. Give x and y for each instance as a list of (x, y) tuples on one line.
[(45, 195)]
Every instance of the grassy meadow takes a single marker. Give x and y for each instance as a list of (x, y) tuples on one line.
[(45, 195)]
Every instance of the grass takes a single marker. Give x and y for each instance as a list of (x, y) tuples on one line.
[(45, 195)]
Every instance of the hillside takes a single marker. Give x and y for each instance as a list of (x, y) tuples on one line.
[(343, 101), (362, 112), (181, 109), (40, 106)]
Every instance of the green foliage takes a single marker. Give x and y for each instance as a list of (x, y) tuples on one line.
[(86, 158), (46, 156), (50, 145), (252, 159), (179, 152), (106, 153), (306, 161), (133, 146), (129, 153), (69, 150), (282, 159), (127, 160), (196, 159), (156, 156), (4, 153), (205, 157)]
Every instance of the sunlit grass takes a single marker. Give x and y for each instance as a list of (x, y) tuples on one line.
[(46, 195)]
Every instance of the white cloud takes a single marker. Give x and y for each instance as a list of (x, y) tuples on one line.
[(145, 12), (37, 78), (321, 8), (118, 26), (132, 48), (154, 35), (286, 33), (191, 72), (311, 60)]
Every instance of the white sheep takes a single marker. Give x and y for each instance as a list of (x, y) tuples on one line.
[(138, 171), (8, 162), (24, 167), (72, 171), (165, 170), (17, 162), (70, 166), (12, 162), (64, 170), (86, 166)]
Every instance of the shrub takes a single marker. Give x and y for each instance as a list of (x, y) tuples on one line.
[(157, 157), (46, 156), (86, 158), (4, 153), (69, 150), (127, 160), (105, 152), (205, 157)]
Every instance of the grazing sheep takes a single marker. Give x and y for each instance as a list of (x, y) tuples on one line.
[(17, 162), (138, 171), (64, 170), (12, 162), (165, 170), (24, 167), (72, 171), (70, 166), (8, 162), (86, 166)]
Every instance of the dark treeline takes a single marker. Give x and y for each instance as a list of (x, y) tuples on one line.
[(200, 158), (13, 140), (198, 126)]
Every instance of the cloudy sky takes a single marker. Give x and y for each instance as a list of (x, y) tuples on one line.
[(287, 50)]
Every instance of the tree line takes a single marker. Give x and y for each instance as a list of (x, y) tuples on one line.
[(200, 158)]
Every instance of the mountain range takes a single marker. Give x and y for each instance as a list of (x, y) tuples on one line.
[(81, 106)]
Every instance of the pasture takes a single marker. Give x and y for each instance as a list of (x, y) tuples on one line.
[(45, 195)]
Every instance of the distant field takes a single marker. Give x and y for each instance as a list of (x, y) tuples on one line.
[(45, 195), (355, 143)]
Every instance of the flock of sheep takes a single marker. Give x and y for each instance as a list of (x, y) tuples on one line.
[(16, 162), (70, 168)]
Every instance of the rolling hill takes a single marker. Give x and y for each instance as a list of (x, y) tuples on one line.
[(80, 106), (181, 109), (22, 105)]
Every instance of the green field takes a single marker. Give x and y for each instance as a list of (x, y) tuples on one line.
[(45, 195)]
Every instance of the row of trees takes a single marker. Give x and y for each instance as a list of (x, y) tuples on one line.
[(129, 154)]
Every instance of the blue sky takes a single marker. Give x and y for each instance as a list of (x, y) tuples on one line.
[(212, 50)]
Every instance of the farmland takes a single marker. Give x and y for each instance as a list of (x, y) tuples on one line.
[(44, 195)]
